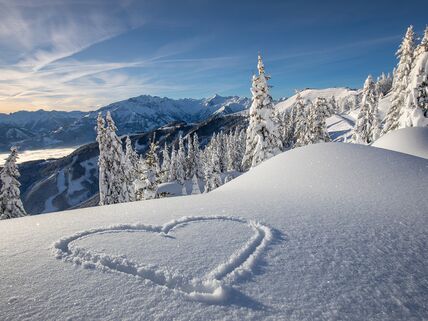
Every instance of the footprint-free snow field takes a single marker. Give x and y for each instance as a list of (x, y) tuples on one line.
[(325, 232)]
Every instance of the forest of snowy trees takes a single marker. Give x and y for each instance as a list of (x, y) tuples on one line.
[(125, 176)]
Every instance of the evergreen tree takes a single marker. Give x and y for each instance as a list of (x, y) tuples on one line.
[(212, 168), (384, 84), (415, 110), (196, 149), (131, 161), (333, 106), (151, 172), (180, 162), (366, 128), (263, 140), (173, 165), (317, 129), (10, 201), (140, 181), (102, 160), (195, 185), (166, 165), (222, 151), (300, 122), (191, 166), (400, 82), (117, 189)]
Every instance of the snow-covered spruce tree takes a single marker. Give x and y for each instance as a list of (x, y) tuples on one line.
[(166, 165), (151, 172), (384, 83), (222, 151), (400, 81), (367, 128), (140, 179), (211, 168), (117, 189), (130, 163), (102, 160), (300, 122), (231, 152), (173, 165), (317, 129), (191, 158), (195, 185), (263, 140), (180, 162), (415, 110), (10, 201), (283, 119), (196, 149)]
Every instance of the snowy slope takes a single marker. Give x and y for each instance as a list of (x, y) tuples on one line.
[(324, 232), (411, 140), (341, 95)]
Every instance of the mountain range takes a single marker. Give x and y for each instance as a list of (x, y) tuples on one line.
[(48, 129)]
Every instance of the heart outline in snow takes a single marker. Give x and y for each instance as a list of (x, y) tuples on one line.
[(212, 288)]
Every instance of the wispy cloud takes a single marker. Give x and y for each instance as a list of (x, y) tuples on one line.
[(40, 66)]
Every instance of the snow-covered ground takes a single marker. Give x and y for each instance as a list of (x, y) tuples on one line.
[(30, 155), (324, 232), (411, 140)]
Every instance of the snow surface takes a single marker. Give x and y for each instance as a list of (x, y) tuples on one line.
[(324, 232), (340, 94), (411, 140)]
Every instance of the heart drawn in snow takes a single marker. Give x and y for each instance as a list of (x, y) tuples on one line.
[(211, 288)]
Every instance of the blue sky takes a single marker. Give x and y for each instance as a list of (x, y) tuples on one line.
[(65, 55)]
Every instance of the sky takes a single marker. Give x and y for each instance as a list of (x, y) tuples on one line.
[(81, 55)]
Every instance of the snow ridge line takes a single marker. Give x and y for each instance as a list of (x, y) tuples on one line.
[(214, 288)]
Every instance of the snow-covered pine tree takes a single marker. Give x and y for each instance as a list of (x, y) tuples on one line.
[(195, 185), (198, 166), (384, 83), (173, 165), (263, 140), (10, 195), (180, 161), (400, 81), (300, 122), (222, 151), (190, 158), (140, 179), (166, 165), (130, 163), (151, 172), (102, 160), (415, 110), (366, 129), (212, 168), (333, 106), (317, 129), (117, 190), (232, 156)]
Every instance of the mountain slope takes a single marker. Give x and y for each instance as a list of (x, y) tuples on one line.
[(313, 233), (41, 129), (56, 185)]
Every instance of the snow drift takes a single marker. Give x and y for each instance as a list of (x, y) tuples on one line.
[(411, 140), (340, 234)]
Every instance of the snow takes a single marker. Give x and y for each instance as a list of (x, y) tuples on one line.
[(39, 154), (340, 94), (411, 140), (325, 232)]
